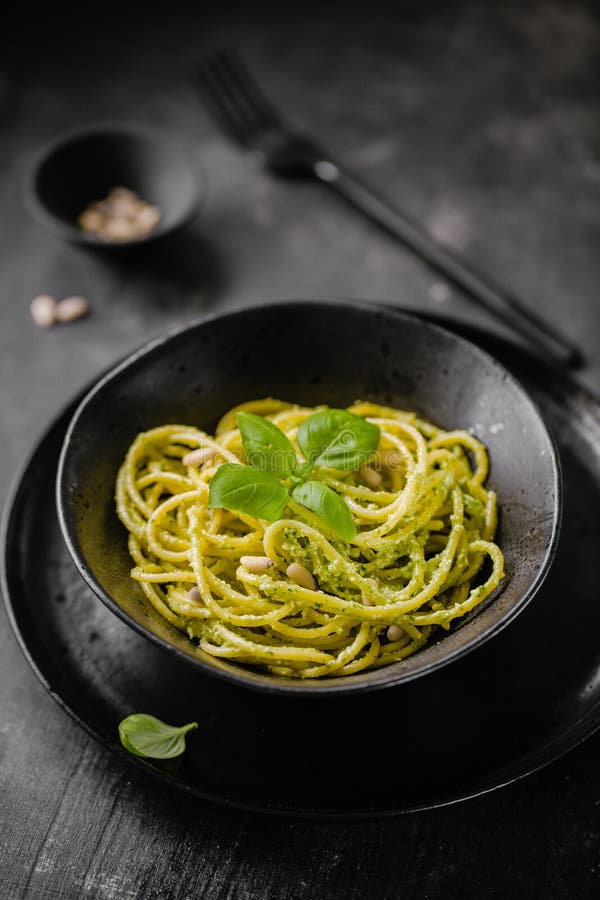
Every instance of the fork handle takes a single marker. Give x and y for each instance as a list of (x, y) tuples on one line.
[(499, 302)]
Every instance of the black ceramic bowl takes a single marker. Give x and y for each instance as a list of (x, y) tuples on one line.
[(83, 165), (311, 353)]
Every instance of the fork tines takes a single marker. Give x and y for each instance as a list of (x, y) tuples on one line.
[(233, 96)]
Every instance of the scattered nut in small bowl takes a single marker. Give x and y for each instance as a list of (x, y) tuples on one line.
[(121, 216), (113, 186)]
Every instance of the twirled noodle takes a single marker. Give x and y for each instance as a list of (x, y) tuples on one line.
[(424, 532)]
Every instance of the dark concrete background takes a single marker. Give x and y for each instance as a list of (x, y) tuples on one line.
[(479, 119)]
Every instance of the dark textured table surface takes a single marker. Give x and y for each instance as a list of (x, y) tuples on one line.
[(479, 119)]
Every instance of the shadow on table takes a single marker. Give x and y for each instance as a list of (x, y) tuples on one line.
[(171, 273)]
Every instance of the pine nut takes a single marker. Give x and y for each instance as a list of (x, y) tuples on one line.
[(371, 476), (43, 310), (394, 633), (256, 564), (199, 456), (195, 595), (391, 459), (124, 202), (92, 220), (301, 576), (119, 230), (71, 308), (147, 218)]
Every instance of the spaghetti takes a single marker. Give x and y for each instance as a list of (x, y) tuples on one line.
[(423, 554)]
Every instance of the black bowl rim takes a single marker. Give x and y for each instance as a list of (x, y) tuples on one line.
[(40, 212), (298, 687)]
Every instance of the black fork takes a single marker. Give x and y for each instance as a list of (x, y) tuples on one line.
[(240, 107)]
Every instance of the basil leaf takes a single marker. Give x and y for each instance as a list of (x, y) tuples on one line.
[(246, 489), (328, 505), (302, 473), (338, 439), (146, 736), (266, 446)]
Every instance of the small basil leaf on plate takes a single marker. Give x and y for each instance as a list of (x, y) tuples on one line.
[(328, 505), (248, 490), (147, 736), (338, 439), (266, 446)]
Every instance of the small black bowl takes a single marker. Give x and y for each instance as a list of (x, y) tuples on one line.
[(83, 165), (311, 353)]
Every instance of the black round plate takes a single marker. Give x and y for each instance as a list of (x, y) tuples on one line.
[(506, 709)]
